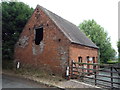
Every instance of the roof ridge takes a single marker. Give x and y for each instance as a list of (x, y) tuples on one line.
[(71, 31), (57, 15), (47, 12)]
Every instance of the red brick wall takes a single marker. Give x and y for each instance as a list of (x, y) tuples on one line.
[(51, 53), (76, 51)]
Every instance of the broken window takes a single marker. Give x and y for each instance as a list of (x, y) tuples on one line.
[(38, 35)]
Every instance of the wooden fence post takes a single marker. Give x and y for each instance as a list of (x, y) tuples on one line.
[(71, 75), (95, 76), (111, 77)]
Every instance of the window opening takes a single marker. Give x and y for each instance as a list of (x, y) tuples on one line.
[(38, 35), (80, 59)]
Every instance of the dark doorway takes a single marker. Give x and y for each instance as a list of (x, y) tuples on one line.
[(38, 35), (80, 59), (94, 60)]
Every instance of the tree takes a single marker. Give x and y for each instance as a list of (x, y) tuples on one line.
[(97, 34), (118, 45), (14, 18)]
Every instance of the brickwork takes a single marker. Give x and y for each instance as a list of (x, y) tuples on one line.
[(55, 50), (76, 51), (52, 53), (82, 51)]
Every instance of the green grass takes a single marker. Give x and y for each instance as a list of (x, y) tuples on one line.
[(7, 64), (39, 73), (112, 62), (30, 71)]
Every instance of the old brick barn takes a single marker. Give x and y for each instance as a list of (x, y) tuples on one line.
[(50, 42)]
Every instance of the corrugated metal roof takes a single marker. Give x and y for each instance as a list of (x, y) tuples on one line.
[(71, 31)]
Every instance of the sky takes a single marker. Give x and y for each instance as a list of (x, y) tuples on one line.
[(104, 12)]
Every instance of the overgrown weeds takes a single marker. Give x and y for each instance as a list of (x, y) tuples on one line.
[(31, 71)]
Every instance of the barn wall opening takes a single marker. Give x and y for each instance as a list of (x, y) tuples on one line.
[(38, 35), (93, 59), (80, 59)]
